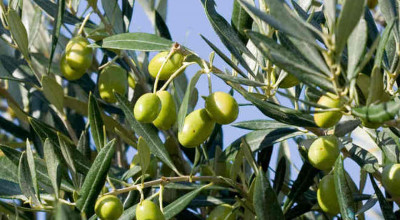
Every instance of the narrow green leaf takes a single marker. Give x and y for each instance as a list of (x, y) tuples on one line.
[(67, 154), (280, 175), (240, 80), (65, 212), (364, 159), (356, 46), (343, 191), (114, 15), (183, 109), (180, 204), (348, 19), (380, 51), (18, 32), (261, 125), (32, 167), (9, 169), (51, 9), (96, 122), (135, 41), (144, 155), (248, 154), (149, 135), (378, 113), (240, 20), (330, 13), (263, 195), (390, 13), (53, 165), (53, 92), (387, 210), (25, 180), (56, 30), (345, 127), (95, 179), (290, 62)]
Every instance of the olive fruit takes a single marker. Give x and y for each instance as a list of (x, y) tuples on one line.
[(147, 108), (391, 179), (197, 127), (131, 82), (147, 210), (222, 107), (109, 207), (167, 116), (326, 195), (328, 119), (68, 72), (112, 78), (372, 3), (221, 212), (173, 64), (289, 81), (323, 152), (79, 56)]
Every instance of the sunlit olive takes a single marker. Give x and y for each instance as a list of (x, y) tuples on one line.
[(289, 81), (167, 116), (109, 207), (79, 56), (323, 152), (147, 108), (391, 179), (326, 195), (68, 72), (112, 78), (222, 212), (222, 107), (173, 64), (329, 118), (372, 3), (147, 210), (197, 127), (131, 82)]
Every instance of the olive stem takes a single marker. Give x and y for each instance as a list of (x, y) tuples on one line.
[(160, 198), (109, 62), (175, 74), (167, 180), (171, 52), (209, 83), (84, 23)]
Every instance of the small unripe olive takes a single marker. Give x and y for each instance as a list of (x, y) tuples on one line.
[(68, 72), (167, 116), (147, 210), (221, 212), (326, 195), (173, 64), (197, 127), (147, 108), (109, 208), (328, 119), (131, 82), (112, 78), (79, 56), (289, 81), (222, 107), (323, 152), (391, 179)]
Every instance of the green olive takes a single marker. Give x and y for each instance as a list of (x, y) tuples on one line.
[(68, 72), (79, 56), (289, 81), (147, 210), (391, 179), (147, 108), (197, 127), (112, 78), (167, 116), (222, 107), (331, 118), (131, 82), (323, 152), (326, 195), (173, 64), (222, 212), (109, 208)]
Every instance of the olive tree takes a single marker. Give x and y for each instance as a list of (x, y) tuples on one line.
[(79, 91)]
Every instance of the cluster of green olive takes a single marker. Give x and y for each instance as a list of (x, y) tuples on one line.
[(220, 107), (76, 59)]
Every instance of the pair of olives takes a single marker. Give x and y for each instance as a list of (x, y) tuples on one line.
[(77, 58), (158, 108), (323, 152), (112, 78), (219, 108)]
